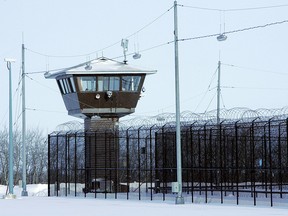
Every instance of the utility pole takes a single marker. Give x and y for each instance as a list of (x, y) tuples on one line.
[(24, 191), (218, 93), (11, 146), (179, 198)]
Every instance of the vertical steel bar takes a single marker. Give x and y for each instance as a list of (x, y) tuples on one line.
[(279, 168), (146, 163), (237, 163), (85, 163), (164, 160), (253, 171), (57, 166), (265, 163), (105, 164), (199, 162), (211, 156), (49, 165), (75, 162), (225, 163), (139, 164), (109, 162), (221, 162), (95, 164), (270, 162), (151, 162), (127, 162), (66, 163), (116, 162), (186, 165), (192, 162), (205, 162)]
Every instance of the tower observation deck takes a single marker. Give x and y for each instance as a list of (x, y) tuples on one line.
[(101, 87)]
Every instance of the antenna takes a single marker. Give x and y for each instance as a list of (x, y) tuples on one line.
[(124, 44)]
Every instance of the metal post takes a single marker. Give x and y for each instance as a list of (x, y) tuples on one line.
[(218, 94), (49, 166), (11, 147), (24, 191), (179, 198)]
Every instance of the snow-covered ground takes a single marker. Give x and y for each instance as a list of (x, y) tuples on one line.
[(37, 203)]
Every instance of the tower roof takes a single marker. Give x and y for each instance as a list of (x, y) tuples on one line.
[(101, 65)]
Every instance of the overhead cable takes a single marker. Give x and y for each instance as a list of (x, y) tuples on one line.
[(233, 9), (100, 50)]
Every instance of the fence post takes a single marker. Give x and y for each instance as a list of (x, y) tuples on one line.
[(57, 164), (192, 160), (127, 162), (151, 161), (221, 161), (270, 161), (237, 163), (139, 163), (253, 170), (75, 162), (280, 161), (49, 166)]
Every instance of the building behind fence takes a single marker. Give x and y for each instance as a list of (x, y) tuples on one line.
[(242, 160)]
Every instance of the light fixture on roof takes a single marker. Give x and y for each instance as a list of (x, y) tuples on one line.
[(88, 66), (137, 55), (221, 37)]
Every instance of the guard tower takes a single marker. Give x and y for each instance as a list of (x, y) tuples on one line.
[(109, 90), (101, 87)]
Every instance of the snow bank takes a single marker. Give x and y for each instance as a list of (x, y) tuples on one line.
[(37, 203)]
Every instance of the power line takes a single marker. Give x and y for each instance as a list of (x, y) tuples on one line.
[(210, 102), (185, 39), (41, 110), (254, 88), (255, 27), (129, 54), (44, 71), (208, 89), (99, 50), (233, 9), (255, 69), (222, 99), (235, 31)]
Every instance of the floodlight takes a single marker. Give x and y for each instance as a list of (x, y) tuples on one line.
[(222, 37), (137, 56)]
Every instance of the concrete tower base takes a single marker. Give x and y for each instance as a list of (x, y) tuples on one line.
[(101, 154)]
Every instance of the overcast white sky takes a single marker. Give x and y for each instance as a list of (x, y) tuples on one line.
[(72, 28)]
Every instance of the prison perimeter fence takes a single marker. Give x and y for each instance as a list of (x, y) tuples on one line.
[(241, 162)]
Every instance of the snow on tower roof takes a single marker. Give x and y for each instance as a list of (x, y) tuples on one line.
[(101, 65)]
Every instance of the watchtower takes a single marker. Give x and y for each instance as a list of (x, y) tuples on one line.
[(109, 90)]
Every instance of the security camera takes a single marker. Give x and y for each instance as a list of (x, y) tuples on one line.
[(109, 94), (97, 96)]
